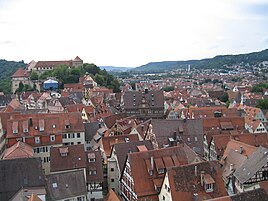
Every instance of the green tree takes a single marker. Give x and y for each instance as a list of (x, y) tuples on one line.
[(224, 97), (263, 104), (34, 75), (99, 79)]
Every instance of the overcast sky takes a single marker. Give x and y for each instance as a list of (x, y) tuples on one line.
[(130, 33)]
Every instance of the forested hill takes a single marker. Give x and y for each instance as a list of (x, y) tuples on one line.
[(7, 68), (216, 62)]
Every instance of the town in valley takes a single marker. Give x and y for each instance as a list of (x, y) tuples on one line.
[(70, 131)]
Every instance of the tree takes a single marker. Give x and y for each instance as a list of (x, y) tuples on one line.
[(99, 79), (167, 89), (263, 104), (34, 75), (224, 97)]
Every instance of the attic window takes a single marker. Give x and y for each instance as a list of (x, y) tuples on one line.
[(54, 185), (41, 124), (209, 182), (15, 127), (91, 157), (63, 151), (67, 123)]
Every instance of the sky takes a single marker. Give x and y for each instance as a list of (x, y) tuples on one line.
[(130, 33)]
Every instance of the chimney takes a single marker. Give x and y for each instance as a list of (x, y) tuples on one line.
[(146, 90), (175, 135), (195, 171), (195, 197), (231, 167), (202, 177), (241, 149), (152, 162), (30, 122)]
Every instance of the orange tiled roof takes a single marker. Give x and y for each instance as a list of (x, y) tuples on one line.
[(20, 73), (18, 150)]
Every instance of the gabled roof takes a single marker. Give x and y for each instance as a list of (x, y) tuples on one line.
[(110, 120), (20, 73), (77, 58), (42, 64), (254, 163), (112, 196), (48, 120), (122, 149), (66, 185), (185, 180), (74, 159), (34, 197), (18, 173), (109, 141), (240, 147), (141, 163), (18, 150)]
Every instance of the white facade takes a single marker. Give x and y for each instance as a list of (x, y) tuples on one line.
[(165, 193)]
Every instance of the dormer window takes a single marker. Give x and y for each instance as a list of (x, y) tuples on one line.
[(41, 125), (63, 151), (15, 127), (91, 157), (208, 183), (37, 140), (67, 123), (161, 171)]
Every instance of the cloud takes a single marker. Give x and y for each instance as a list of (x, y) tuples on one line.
[(212, 47), (265, 40)]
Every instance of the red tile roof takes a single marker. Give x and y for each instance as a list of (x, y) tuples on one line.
[(184, 182), (108, 142), (20, 73), (141, 163), (46, 120), (75, 158), (18, 150)]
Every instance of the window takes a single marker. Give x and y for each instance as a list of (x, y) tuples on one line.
[(91, 160), (209, 187), (64, 136), (112, 169), (53, 126), (188, 139), (112, 180), (164, 197), (78, 135), (52, 138), (78, 142), (195, 139), (37, 140)]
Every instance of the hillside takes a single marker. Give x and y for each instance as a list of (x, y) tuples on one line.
[(216, 62), (7, 68), (114, 68)]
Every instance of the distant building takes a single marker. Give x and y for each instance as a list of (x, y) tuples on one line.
[(145, 105), (20, 76), (43, 66)]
